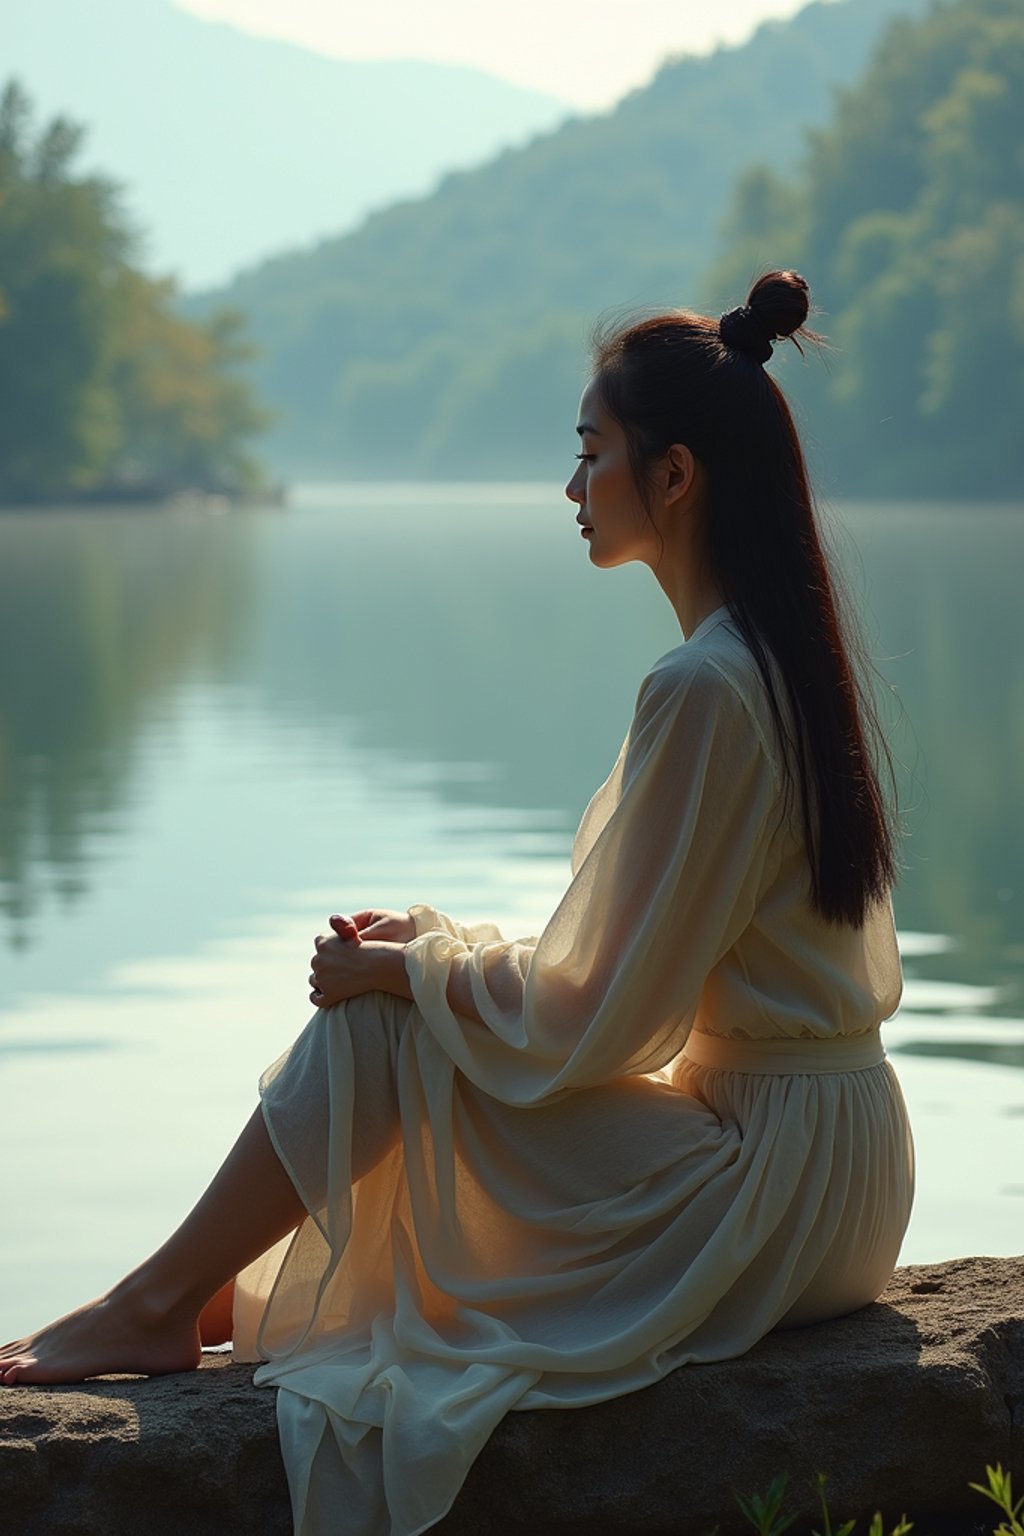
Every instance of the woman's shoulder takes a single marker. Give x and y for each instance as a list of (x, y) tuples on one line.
[(714, 663), (713, 672)]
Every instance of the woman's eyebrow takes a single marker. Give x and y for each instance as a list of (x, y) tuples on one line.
[(585, 427)]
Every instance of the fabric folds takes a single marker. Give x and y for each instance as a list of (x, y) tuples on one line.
[(558, 1204)]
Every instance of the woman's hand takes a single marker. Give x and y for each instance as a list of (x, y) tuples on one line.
[(380, 923), (345, 966)]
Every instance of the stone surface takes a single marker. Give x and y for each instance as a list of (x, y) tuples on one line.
[(901, 1405)]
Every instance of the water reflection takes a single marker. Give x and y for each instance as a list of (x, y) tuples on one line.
[(102, 615), (944, 583), (456, 638), (998, 1053), (215, 731), (61, 1046), (459, 635)]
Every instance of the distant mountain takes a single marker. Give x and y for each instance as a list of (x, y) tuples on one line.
[(232, 146), (444, 337)]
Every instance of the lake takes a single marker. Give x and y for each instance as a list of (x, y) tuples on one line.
[(216, 728)]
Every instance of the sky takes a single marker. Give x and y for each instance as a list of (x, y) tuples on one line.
[(586, 52)]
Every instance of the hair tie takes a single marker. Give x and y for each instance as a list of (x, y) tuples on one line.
[(741, 329)]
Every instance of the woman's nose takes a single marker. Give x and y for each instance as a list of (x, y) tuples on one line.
[(574, 490)]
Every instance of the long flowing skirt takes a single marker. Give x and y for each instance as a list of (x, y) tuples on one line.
[(463, 1257)]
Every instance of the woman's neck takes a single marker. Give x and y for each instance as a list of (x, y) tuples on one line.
[(692, 592)]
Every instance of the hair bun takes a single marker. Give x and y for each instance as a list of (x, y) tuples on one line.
[(781, 302), (777, 306)]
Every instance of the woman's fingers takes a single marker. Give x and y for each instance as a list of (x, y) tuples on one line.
[(339, 964), (321, 968), (384, 923), (344, 927)]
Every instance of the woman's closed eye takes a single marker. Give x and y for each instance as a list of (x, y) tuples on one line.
[(586, 457)]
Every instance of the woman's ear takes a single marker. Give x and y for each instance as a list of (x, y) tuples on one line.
[(681, 474)]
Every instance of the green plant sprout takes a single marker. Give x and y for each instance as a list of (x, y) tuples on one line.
[(901, 1528), (764, 1512), (1000, 1491), (826, 1519)]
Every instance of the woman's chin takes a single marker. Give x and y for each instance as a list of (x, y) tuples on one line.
[(603, 559)]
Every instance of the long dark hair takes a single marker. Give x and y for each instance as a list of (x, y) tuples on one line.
[(684, 378)]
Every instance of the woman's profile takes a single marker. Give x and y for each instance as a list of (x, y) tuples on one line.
[(497, 1174)]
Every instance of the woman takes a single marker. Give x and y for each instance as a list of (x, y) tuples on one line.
[(541, 1173)]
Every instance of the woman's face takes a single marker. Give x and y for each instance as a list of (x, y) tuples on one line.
[(612, 514)]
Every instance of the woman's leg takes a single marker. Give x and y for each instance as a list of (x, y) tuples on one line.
[(216, 1320), (148, 1324)]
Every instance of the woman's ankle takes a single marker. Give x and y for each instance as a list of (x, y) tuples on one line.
[(157, 1300), (216, 1320)]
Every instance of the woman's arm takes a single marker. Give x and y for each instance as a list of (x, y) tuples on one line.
[(667, 875), (668, 869)]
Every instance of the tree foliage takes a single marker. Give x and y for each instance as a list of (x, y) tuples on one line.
[(908, 219), (104, 387)]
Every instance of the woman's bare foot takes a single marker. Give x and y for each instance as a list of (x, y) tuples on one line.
[(149, 1323), (121, 1332)]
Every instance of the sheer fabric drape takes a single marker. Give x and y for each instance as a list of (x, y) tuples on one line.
[(558, 1205)]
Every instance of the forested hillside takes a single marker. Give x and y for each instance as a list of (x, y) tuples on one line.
[(908, 215), (446, 337), (104, 388)]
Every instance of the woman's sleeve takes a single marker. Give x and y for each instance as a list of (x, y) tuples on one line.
[(668, 866), (429, 920)]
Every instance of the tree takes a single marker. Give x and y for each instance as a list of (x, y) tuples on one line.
[(102, 385)]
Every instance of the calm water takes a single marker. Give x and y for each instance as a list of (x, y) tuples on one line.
[(214, 730)]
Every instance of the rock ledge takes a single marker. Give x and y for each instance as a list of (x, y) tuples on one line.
[(901, 1405)]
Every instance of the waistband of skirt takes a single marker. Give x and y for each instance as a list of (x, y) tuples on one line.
[(779, 1057)]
